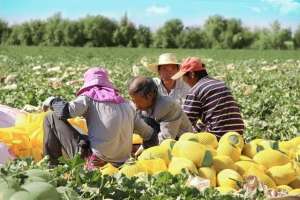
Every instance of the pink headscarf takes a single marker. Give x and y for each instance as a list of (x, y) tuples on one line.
[(98, 87)]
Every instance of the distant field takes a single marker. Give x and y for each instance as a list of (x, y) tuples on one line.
[(265, 83)]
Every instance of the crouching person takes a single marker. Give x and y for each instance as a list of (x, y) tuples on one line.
[(161, 112), (110, 120)]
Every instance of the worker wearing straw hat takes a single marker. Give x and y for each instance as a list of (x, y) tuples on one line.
[(166, 67)]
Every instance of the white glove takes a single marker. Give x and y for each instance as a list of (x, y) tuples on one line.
[(46, 103)]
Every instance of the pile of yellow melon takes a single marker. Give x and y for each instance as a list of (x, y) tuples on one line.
[(225, 163)]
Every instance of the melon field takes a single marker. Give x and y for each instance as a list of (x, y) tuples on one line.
[(264, 83)]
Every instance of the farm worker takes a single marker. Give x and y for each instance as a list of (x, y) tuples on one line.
[(162, 110), (110, 119), (209, 105), (166, 67)]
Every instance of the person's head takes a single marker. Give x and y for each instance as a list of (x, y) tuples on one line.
[(167, 66), (192, 70), (95, 76), (143, 92)]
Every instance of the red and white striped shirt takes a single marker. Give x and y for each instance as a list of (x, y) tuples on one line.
[(211, 101)]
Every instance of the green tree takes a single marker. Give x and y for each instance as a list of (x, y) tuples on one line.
[(143, 36), (54, 35), (73, 33), (125, 33), (192, 37), (98, 30), (167, 35), (297, 37), (279, 36), (215, 27), (38, 29), (4, 31)]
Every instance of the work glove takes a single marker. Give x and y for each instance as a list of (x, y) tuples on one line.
[(58, 106), (47, 103)]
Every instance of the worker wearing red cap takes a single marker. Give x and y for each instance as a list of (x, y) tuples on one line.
[(209, 104)]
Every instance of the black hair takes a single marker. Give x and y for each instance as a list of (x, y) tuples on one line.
[(197, 74), (142, 86)]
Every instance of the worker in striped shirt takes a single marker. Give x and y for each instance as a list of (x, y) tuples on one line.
[(209, 104)]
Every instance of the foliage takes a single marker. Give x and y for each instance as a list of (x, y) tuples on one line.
[(99, 31), (75, 182), (265, 83)]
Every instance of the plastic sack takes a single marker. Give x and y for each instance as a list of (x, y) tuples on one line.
[(8, 116), (5, 155)]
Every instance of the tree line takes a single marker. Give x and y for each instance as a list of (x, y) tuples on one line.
[(100, 31)]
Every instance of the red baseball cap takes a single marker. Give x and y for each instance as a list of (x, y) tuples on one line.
[(190, 64)]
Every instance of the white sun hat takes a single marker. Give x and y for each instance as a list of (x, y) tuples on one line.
[(164, 59)]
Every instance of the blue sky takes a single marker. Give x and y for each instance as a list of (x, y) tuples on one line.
[(253, 13)]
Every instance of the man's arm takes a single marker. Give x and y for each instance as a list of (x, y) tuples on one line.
[(148, 133), (79, 106), (169, 114), (193, 109), (65, 110)]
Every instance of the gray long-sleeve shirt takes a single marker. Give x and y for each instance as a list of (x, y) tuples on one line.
[(110, 127), (168, 113)]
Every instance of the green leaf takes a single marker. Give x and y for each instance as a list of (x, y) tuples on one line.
[(208, 159)]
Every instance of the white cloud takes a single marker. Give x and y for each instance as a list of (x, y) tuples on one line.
[(157, 10), (256, 9), (284, 6)]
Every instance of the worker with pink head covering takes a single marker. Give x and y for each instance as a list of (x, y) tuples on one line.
[(111, 121)]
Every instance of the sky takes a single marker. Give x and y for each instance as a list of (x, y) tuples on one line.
[(253, 13)]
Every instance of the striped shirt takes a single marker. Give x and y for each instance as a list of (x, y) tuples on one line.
[(211, 107)]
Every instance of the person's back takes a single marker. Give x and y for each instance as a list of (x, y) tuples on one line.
[(209, 105), (219, 111), (110, 128), (110, 119)]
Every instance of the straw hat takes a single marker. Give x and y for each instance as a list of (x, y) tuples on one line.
[(164, 59)]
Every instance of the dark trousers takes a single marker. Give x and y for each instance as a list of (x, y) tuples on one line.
[(60, 135)]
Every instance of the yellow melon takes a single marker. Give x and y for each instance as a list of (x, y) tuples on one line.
[(243, 157), (295, 141), (284, 188), (251, 148), (131, 169), (137, 139), (208, 139), (261, 176), (233, 138), (178, 164), (295, 192), (226, 149), (270, 158), (156, 152), (193, 151), (209, 173), (295, 183), (243, 166), (284, 174), (229, 178), (109, 169), (287, 147), (168, 143), (223, 162), (189, 136), (153, 166)]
